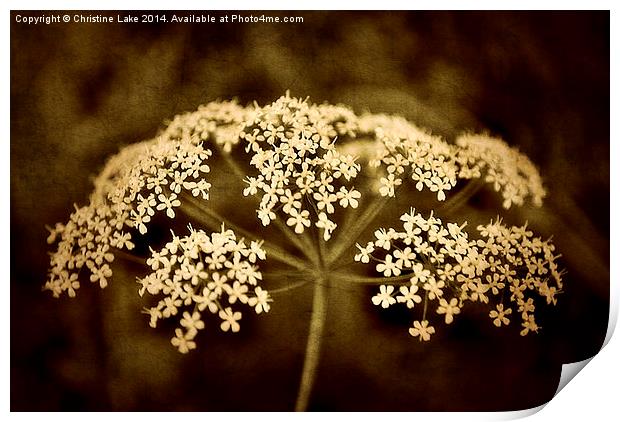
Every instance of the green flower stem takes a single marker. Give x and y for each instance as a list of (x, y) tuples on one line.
[(211, 219), (313, 346), (349, 236)]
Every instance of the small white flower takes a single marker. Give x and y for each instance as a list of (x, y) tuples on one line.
[(388, 267), (348, 197), (384, 297), (237, 291), (230, 319), (266, 215), (365, 252), (422, 330), (327, 225), (388, 185), (168, 203), (383, 238), (449, 309), (499, 315), (192, 322), (299, 220), (183, 341), (408, 296), (404, 257), (434, 288), (261, 301)]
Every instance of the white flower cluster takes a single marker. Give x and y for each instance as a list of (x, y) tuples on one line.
[(163, 169), (202, 272), (300, 171), (404, 150), (85, 241), (507, 169), (135, 184), (217, 122), (440, 262)]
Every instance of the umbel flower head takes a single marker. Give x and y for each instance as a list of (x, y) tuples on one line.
[(320, 174), (505, 266), (299, 168), (141, 180), (204, 273)]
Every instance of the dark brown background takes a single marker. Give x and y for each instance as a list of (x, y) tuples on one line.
[(80, 91)]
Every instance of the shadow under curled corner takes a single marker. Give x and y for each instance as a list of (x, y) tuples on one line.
[(571, 370)]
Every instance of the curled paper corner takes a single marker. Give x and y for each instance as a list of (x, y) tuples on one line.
[(518, 414), (569, 370), (613, 313)]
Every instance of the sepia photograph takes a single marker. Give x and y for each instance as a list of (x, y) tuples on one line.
[(306, 211)]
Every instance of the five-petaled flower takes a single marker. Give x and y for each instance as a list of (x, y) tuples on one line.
[(449, 309), (183, 340), (409, 295), (499, 315), (384, 297), (422, 330), (230, 319)]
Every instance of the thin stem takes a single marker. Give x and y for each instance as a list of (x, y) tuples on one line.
[(289, 287), (349, 236), (322, 247), (304, 278), (461, 197), (129, 257), (232, 163), (371, 280), (344, 264), (209, 212), (315, 334), (300, 242), (313, 346)]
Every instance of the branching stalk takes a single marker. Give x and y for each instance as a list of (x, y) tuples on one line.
[(289, 287), (348, 236), (300, 242)]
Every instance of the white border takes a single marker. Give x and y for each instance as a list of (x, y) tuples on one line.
[(592, 394)]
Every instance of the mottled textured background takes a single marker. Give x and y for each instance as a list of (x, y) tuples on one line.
[(81, 91)]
